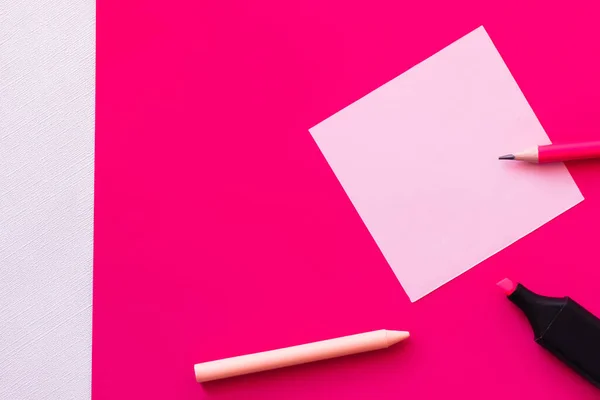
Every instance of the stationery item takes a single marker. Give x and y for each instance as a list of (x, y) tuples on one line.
[(562, 326), (295, 355), (433, 215), (557, 153)]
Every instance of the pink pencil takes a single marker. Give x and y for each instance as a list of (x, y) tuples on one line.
[(557, 153), (295, 355)]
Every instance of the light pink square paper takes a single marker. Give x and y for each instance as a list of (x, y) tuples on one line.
[(418, 158)]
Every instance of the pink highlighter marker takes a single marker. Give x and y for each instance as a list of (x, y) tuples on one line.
[(562, 326)]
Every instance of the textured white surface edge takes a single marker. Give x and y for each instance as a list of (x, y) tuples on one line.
[(47, 62)]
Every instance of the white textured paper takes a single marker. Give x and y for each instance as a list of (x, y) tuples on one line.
[(47, 54), (418, 158)]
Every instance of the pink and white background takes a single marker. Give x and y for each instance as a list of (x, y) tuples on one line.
[(221, 230)]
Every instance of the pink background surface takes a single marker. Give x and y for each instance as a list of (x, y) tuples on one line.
[(221, 230)]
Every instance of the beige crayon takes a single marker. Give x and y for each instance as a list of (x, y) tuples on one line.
[(301, 354)]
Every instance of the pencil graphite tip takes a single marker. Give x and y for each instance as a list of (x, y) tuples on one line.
[(507, 157)]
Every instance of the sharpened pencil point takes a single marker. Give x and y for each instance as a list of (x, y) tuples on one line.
[(507, 157)]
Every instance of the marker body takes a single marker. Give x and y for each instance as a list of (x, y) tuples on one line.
[(564, 328), (295, 355)]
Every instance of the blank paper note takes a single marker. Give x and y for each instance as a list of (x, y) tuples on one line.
[(418, 158)]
